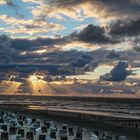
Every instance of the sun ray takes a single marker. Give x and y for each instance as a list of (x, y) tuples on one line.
[(10, 87), (38, 85)]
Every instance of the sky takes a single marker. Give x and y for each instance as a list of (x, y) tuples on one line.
[(73, 47)]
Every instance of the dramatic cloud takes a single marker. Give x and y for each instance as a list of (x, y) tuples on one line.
[(137, 44), (6, 51), (118, 73), (125, 28), (3, 76), (101, 8), (92, 33), (34, 44), (113, 54), (59, 63), (82, 61), (63, 38)]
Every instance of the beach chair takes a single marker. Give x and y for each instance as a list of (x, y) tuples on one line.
[(4, 136), (30, 135)]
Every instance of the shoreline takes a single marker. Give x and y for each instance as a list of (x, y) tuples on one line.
[(69, 97)]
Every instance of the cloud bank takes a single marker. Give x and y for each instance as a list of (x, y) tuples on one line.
[(118, 73)]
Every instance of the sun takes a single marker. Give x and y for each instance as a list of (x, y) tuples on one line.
[(33, 78), (36, 78), (38, 85)]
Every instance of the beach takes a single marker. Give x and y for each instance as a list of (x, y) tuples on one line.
[(88, 111)]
